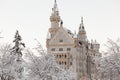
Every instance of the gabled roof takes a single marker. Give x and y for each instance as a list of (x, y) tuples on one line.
[(64, 34)]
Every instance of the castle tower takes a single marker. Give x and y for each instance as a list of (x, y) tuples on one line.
[(54, 19), (82, 33)]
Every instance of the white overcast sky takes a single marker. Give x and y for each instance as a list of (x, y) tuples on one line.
[(31, 18)]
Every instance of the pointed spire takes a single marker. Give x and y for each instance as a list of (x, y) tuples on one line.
[(55, 18), (55, 11), (55, 4), (82, 33), (81, 24), (82, 20), (55, 8), (55, 1)]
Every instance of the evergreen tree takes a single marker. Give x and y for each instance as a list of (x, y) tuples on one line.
[(11, 62), (17, 51)]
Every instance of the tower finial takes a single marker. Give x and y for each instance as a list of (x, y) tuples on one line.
[(82, 20), (81, 24), (81, 28), (55, 6), (55, 9), (55, 18)]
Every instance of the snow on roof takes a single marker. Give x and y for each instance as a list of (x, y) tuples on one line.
[(69, 32)]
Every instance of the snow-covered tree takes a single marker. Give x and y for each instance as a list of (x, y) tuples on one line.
[(17, 51), (6, 63), (109, 67), (44, 66), (11, 67)]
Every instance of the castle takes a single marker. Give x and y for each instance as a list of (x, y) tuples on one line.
[(72, 50)]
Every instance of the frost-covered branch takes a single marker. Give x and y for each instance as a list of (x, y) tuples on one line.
[(44, 66), (6, 63), (110, 65)]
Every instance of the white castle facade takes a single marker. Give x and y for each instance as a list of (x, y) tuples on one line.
[(72, 50)]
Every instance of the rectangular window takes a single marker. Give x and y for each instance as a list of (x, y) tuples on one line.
[(60, 40), (53, 49), (68, 49), (60, 49)]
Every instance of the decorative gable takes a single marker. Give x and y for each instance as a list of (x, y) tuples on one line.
[(61, 37)]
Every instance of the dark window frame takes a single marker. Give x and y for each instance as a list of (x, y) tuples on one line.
[(68, 49), (60, 49), (60, 40), (53, 49)]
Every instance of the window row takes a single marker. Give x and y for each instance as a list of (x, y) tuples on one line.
[(62, 63), (61, 49), (61, 56)]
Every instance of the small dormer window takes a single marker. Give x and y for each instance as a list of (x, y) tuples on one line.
[(60, 40)]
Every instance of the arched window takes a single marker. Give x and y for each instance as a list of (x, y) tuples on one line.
[(65, 55), (62, 55), (60, 63), (65, 63), (59, 56)]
